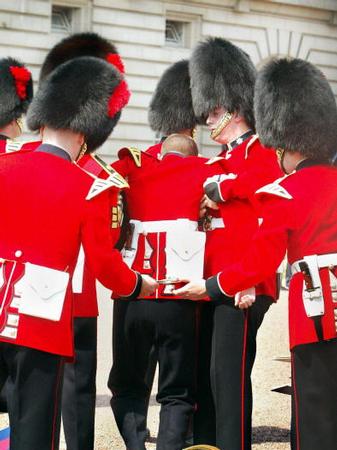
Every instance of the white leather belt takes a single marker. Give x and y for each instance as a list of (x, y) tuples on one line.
[(159, 226), (326, 260), (313, 295)]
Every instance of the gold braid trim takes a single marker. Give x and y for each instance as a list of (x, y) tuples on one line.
[(224, 121), (136, 155)]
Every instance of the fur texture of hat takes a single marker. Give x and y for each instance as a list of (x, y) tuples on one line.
[(222, 75), (16, 90), (295, 108), (84, 95), (171, 107), (74, 46)]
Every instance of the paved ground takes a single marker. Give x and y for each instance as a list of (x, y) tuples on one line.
[(271, 410)]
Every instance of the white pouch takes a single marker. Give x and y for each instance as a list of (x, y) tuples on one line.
[(43, 292), (185, 254)]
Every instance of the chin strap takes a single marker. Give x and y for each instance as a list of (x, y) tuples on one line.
[(223, 122)]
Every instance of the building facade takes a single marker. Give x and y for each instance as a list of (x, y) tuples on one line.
[(151, 34)]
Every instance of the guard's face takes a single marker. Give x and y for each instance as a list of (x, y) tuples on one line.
[(214, 117), (219, 123)]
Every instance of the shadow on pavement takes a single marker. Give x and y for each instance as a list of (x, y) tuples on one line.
[(270, 434), (102, 401)]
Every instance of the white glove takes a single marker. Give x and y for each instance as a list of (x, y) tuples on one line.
[(246, 298)]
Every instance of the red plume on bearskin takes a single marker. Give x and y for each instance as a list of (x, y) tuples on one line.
[(119, 98), (92, 110), (21, 77), (16, 88), (116, 60), (95, 47), (74, 46)]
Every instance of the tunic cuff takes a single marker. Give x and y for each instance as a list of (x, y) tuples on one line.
[(136, 291), (214, 290)]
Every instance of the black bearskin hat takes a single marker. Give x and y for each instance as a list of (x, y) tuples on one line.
[(222, 75), (77, 45), (16, 90), (295, 108), (171, 107), (84, 95)]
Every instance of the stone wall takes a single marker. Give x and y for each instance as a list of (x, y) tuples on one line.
[(263, 28)]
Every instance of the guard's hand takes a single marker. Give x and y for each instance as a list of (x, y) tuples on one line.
[(245, 299), (149, 286), (208, 203), (193, 290)]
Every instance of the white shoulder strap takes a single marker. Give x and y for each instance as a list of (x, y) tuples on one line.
[(275, 189), (100, 185)]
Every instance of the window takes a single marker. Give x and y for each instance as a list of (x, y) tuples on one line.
[(62, 19), (175, 33), (182, 29)]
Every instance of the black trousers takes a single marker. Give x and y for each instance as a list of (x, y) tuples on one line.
[(34, 383), (314, 400), (3, 399), (204, 417), (79, 387), (227, 422), (169, 327)]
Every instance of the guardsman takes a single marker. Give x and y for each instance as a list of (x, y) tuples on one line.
[(170, 111), (163, 206), (59, 207), (16, 93), (79, 384), (222, 84), (296, 114)]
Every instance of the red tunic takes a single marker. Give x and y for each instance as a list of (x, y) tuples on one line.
[(254, 166), (154, 150), (85, 303), (46, 217), (305, 224), (167, 189)]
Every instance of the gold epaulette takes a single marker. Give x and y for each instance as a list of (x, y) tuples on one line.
[(13, 145), (136, 155)]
